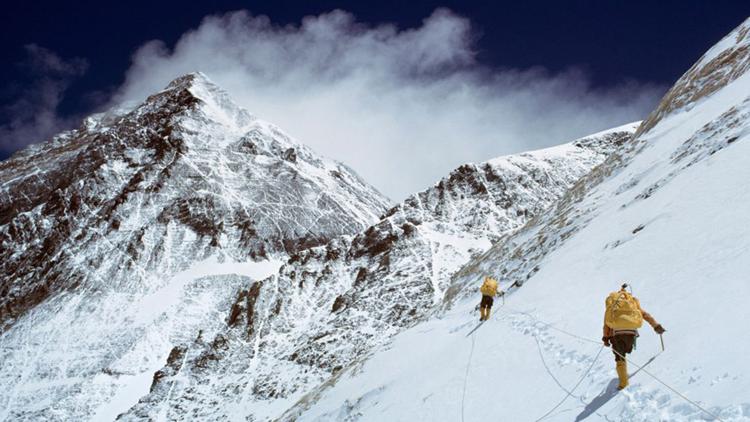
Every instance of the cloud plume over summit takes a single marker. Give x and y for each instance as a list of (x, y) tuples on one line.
[(32, 115), (401, 106)]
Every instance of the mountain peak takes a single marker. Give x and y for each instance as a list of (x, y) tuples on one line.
[(189, 80), (721, 65), (195, 91)]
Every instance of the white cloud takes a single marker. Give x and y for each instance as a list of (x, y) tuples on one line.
[(33, 115), (401, 106)]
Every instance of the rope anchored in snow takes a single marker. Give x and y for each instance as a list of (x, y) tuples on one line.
[(569, 392), (466, 377), (640, 367), (684, 397), (471, 353)]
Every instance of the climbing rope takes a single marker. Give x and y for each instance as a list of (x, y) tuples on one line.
[(466, 377), (555, 328), (570, 392), (549, 371), (640, 367)]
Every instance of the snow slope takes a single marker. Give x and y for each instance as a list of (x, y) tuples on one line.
[(666, 214), (331, 304), (134, 232)]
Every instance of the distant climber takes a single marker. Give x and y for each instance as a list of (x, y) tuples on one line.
[(489, 291), (622, 319)]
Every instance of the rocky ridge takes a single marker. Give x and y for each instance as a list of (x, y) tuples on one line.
[(134, 231), (330, 306)]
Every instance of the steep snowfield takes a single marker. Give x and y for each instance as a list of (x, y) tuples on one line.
[(331, 304), (134, 233), (183, 260), (667, 214)]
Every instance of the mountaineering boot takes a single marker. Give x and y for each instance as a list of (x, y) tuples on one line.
[(622, 373), (481, 313)]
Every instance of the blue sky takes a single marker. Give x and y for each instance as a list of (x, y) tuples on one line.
[(65, 61)]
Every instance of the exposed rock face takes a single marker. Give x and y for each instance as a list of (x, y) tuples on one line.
[(138, 251), (517, 256), (124, 237), (330, 306), (666, 212), (186, 157), (723, 63)]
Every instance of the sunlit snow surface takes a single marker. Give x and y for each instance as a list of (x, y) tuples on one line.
[(669, 217), (135, 251), (133, 234), (331, 305)]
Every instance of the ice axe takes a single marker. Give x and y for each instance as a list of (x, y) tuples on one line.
[(661, 337)]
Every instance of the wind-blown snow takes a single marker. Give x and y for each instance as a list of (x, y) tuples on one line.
[(183, 260), (328, 306), (666, 215)]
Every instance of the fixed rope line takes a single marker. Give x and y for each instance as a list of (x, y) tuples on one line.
[(569, 392), (466, 377), (547, 324), (640, 367)]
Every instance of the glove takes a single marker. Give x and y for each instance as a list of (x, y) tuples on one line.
[(659, 329), (605, 340), (500, 293)]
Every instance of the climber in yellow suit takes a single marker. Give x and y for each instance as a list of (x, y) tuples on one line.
[(623, 317), (489, 291)]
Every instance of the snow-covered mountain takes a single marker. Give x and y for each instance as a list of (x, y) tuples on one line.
[(665, 213), (183, 260), (330, 306), (134, 232)]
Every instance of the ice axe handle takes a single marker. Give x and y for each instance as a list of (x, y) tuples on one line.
[(661, 337)]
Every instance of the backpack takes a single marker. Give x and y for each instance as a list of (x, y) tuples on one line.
[(489, 287), (623, 311)]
